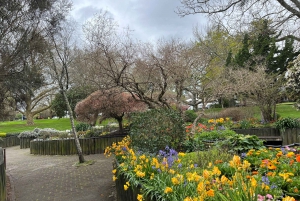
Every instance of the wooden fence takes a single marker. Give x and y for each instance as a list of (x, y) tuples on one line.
[(2, 176), (25, 142), (10, 141), (289, 136), (68, 147)]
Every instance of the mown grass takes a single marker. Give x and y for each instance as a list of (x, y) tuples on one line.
[(20, 125), (283, 109)]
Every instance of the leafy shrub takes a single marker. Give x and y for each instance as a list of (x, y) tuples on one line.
[(203, 158), (245, 124), (287, 122), (155, 129), (91, 133), (190, 116), (82, 127), (214, 135), (200, 140), (2, 134), (240, 143)]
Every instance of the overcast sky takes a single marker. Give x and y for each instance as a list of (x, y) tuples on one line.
[(149, 19)]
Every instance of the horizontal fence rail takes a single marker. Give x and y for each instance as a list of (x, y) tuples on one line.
[(286, 137), (2, 176), (68, 147)]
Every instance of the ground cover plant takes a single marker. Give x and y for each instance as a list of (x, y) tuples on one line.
[(265, 174)]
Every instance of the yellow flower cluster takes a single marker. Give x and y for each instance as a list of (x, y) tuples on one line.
[(220, 121), (189, 183)]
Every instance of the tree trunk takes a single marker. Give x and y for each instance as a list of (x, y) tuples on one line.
[(120, 120), (266, 112), (78, 147), (29, 118)]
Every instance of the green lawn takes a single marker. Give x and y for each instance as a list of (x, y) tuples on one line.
[(58, 124), (283, 109), (19, 125)]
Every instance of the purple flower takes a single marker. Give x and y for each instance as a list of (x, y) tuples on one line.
[(265, 179)]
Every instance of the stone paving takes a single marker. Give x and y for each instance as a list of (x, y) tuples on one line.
[(56, 178)]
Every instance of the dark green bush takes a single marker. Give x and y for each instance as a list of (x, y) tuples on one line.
[(201, 140), (190, 116), (82, 126), (155, 129), (287, 122), (240, 143)]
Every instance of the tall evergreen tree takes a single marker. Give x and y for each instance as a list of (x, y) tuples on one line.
[(243, 54)]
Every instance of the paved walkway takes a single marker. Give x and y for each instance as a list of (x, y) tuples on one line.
[(55, 178)]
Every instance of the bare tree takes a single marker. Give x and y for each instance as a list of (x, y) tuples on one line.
[(61, 58), (152, 73), (284, 14)]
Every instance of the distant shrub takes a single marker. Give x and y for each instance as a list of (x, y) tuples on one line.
[(91, 133), (189, 116), (2, 134), (287, 122), (155, 129), (82, 127), (239, 143)]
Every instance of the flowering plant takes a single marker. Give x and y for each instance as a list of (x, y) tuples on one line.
[(220, 123), (172, 176)]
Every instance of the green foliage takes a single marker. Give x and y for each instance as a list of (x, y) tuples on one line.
[(155, 129), (2, 134), (203, 158), (91, 133), (74, 96), (287, 122), (203, 140), (190, 116), (82, 126), (240, 143), (214, 135), (245, 124)]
